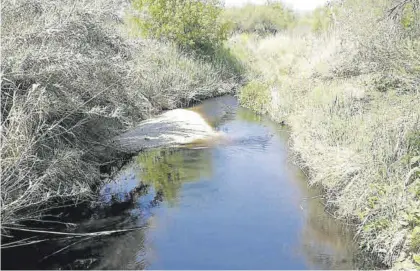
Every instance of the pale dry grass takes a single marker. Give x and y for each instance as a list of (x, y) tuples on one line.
[(350, 129), (72, 78)]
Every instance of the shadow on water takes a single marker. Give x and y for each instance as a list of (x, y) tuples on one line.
[(238, 203)]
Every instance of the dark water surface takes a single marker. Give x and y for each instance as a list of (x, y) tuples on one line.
[(237, 203)]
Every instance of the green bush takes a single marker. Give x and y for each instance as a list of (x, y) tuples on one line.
[(415, 239), (255, 95), (191, 24)]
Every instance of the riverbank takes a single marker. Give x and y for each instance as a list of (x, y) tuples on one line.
[(354, 117), (73, 76), (204, 191)]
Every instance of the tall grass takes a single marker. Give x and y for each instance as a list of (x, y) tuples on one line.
[(351, 98), (71, 79)]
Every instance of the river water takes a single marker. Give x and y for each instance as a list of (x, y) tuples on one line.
[(238, 203)]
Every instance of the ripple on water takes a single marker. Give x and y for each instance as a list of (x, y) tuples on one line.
[(236, 203)]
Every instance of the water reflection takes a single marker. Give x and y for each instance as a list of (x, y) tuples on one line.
[(116, 251), (232, 204), (322, 242), (167, 169), (248, 116), (122, 251), (239, 203), (140, 187), (218, 111), (326, 242)]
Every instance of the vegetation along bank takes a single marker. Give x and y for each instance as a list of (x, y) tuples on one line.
[(346, 79), (77, 73)]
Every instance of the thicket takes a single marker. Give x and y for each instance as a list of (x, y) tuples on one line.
[(191, 24), (260, 19), (350, 93), (72, 78), (318, 21)]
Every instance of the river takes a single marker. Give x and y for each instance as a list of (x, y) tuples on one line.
[(238, 203)]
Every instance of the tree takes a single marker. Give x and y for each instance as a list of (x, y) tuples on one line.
[(192, 24)]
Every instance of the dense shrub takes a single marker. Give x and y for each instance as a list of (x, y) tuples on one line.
[(192, 24), (262, 19), (387, 45)]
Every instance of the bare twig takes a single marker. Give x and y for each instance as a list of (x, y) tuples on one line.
[(66, 247), (99, 233)]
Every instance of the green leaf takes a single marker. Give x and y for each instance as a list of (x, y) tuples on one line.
[(416, 258)]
